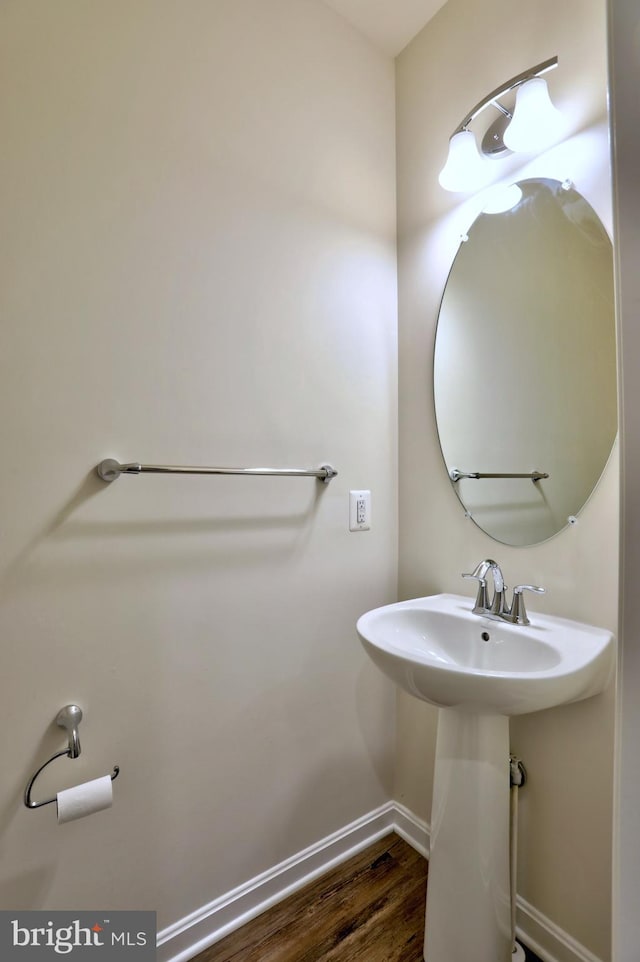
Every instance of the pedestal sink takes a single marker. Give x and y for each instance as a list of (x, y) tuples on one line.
[(478, 672)]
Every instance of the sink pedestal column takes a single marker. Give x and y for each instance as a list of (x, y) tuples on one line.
[(468, 900)]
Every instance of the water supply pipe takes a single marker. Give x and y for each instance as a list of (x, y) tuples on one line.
[(517, 777)]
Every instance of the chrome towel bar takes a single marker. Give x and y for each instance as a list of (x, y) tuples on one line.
[(456, 475), (109, 470)]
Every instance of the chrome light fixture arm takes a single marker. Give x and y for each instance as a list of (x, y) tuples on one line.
[(505, 88)]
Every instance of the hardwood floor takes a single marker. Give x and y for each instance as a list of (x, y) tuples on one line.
[(369, 909)]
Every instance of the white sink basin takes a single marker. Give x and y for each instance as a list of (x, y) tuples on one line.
[(437, 650), (478, 672)]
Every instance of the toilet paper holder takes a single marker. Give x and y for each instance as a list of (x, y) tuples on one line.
[(68, 718)]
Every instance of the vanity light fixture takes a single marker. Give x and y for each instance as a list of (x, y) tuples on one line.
[(536, 122), (532, 125), (465, 164)]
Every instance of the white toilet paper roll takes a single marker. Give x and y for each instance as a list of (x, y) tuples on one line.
[(84, 799)]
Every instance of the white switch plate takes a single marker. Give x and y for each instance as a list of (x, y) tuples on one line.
[(359, 510)]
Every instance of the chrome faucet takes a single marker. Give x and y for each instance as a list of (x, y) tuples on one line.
[(483, 606), (497, 608)]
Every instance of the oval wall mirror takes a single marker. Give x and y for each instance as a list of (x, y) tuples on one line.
[(525, 363)]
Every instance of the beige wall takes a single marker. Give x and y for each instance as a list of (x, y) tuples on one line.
[(565, 821), (198, 266), (625, 72)]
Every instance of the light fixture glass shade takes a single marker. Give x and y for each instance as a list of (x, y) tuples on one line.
[(536, 122), (466, 168)]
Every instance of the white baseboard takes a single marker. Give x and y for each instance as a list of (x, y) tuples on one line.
[(411, 828), (209, 924), (546, 939)]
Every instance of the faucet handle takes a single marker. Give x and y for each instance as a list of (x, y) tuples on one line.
[(482, 603), (518, 614)]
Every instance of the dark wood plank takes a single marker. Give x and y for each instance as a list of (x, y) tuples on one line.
[(370, 908)]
